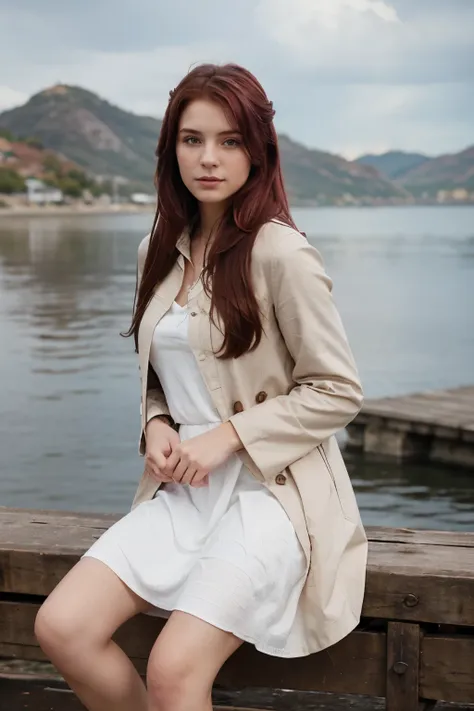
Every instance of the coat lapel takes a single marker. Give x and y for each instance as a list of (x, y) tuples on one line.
[(158, 306)]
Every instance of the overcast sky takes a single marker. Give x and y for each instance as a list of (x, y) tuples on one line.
[(349, 76)]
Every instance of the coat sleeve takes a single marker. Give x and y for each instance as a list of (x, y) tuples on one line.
[(326, 394), (155, 397)]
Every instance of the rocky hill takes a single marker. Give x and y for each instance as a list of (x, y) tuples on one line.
[(108, 141), (96, 135)]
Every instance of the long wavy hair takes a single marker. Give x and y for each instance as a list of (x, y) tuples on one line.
[(227, 271)]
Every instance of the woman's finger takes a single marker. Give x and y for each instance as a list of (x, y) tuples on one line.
[(156, 473), (171, 462), (200, 479), (189, 475), (179, 471)]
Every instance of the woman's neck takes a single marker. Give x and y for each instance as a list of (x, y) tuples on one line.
[(210, 214)]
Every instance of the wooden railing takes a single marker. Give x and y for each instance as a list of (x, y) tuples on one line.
[(415, 643)]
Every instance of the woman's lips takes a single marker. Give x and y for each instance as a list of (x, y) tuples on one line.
[(209, 182)]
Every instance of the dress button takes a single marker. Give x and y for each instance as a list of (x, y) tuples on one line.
[(238, 407), (280, 479), (202, 356), (193, 313), (261, 396)]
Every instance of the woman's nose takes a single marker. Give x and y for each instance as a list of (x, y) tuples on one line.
[(209, 155)]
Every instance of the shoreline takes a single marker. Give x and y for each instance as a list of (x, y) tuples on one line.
[(74, 210), (127, 209)]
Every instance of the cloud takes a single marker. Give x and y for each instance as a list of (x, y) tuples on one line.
[(10, 97), (300, 25), (344, 75), (286, 19)]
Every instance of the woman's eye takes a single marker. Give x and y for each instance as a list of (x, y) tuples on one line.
[(191, 140), (232, 142)]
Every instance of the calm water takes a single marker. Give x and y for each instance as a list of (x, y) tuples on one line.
[(69, 409)]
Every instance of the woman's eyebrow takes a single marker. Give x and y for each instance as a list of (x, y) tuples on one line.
[(199, 133)]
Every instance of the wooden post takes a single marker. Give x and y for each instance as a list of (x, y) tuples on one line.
[(403, 663)]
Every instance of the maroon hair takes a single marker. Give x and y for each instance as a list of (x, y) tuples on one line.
[(227, 274)]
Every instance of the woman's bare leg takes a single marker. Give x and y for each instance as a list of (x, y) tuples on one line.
[(184, 662), (74, 627)]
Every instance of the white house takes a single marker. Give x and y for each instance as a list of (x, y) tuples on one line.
[(142, 199), (39, 193)]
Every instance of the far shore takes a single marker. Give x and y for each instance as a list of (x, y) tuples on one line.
[(22, 211), (69, 210)]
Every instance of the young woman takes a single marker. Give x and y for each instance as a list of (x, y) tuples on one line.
[(244, 526)]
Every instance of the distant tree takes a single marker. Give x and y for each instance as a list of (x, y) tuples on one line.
[(52, 164), (70, 187), (34, 142), (11, 181), (5, 133)]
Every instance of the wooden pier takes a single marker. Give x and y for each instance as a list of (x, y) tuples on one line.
[(435, 425), (414, 646)]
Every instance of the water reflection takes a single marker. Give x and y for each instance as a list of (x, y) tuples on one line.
[(69, 411), (426, 495)]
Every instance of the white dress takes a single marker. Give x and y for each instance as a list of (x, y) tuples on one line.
[(226, 553)]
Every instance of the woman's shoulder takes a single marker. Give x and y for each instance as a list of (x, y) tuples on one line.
[(277, 241)]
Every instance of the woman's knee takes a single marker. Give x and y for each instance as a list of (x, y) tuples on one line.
[(57, 630), (171, 678)]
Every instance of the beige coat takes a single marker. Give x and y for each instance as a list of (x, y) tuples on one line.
[(286, 400)]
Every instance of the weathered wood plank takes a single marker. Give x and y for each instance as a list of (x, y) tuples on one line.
[(423, 576), (403, 653), (354, 665), (430, 426), (43, 695), (19, 529), (447, 668), (357, 664)]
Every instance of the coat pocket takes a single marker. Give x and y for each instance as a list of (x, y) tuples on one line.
[(323, 455)]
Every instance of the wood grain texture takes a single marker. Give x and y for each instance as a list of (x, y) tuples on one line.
[(354, 665), (403, 655), (423, 576)]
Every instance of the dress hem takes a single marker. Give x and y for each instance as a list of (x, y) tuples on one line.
[(265, 649)]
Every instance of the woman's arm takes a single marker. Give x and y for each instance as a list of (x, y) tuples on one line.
[(327, 393)]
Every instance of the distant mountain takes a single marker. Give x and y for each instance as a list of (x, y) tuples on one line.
[(312, 173), (394, 164), (447, 172), (106, 140), (98, 136)]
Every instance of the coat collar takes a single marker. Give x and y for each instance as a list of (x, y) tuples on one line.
[(183, 245)]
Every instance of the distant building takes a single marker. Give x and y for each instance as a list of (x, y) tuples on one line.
[(142, 199), (460, 194), (39, 193)]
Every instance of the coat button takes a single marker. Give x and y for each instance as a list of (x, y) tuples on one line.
[(238, 407), (193, 313), (261, 396), (280, 479)]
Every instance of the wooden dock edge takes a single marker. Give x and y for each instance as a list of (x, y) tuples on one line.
[(431, 426), (414, 645)]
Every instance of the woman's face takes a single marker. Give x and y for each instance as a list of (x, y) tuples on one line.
[(211, 157)]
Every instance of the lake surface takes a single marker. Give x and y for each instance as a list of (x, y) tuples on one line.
[(69, 408)]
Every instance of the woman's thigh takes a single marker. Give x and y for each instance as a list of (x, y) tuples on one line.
[(87, 606), (188, 655)]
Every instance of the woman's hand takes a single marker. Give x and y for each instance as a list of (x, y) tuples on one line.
[(160, 441), (194, 459)]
